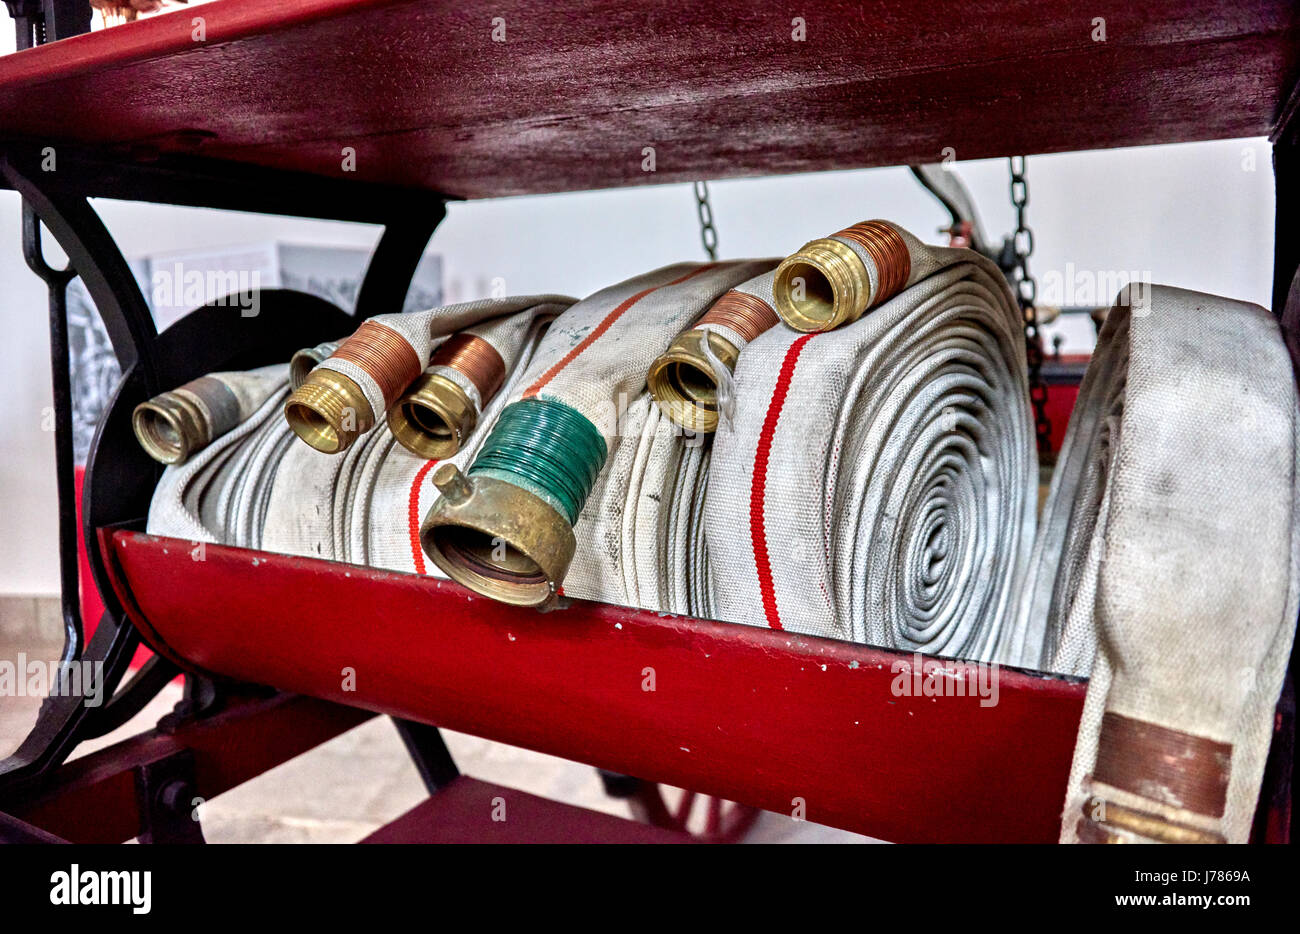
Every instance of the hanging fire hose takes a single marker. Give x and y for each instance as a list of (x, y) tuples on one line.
[(1167, 567)]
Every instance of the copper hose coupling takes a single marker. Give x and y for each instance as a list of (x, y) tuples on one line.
[(174, 425), (438, 412), (331, 409), (684, 382), (1159, 769), (834, 280)]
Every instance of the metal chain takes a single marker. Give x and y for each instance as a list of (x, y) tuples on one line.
[(708, 233), (1022, 242)]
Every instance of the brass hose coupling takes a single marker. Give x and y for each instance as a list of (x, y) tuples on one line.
[(505, 528), (174, 425), (331, 409), (438, 412), (828, 283), (497, 538), (683, 380)]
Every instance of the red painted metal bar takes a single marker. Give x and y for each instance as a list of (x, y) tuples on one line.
[(517, 97), (764, 718), (473, 811), (93, 799)]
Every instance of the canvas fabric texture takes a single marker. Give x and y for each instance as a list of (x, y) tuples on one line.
[(1168, 567)]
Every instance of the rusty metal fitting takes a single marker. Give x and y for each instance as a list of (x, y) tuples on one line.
[(497, 538), (436, 414), (433, 418), (329, 411), (826, 283), (176, 424)]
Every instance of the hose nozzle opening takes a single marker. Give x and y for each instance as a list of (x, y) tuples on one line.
[(683, 382), (170, 427), (176, 424), (822, 286), (433, 418), (497, 538), (328, 411), (828, 283)]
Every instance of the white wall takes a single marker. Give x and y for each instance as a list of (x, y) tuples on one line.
[(1198, 216)]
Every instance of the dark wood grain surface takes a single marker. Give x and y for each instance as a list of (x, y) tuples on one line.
[(570, 100)]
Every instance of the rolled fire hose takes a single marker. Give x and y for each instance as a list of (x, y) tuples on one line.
[(505, 527), (1168, 566), (220, 493), (877, 484), (349, 392), (692, 380), (364, 506), (175, 425)]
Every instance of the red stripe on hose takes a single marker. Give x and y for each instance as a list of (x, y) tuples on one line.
[(758, 483), (413, 515), (604, 326)]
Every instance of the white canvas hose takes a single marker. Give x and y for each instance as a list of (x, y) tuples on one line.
[(877, 484), (1168, 567), (220, 493), (506, 526)]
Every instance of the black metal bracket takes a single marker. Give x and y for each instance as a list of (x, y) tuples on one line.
[(429, 753), (168, 800), (118, 476), (39, 21)]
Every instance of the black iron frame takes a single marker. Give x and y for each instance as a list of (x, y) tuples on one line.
[(118, 477)]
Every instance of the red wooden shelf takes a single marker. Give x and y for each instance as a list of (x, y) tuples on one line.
[(718, 87), (750, 715)]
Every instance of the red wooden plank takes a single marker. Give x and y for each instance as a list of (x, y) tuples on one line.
[(719, 88), (750, 715), (473, 811)]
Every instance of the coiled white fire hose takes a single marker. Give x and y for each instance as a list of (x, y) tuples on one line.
[(877, 483), (1168, 566)]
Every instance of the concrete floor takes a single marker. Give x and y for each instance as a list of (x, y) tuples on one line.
[(343, 790)]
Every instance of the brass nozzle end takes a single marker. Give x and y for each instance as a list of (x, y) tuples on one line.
[(170, 427), (497, 539), (328, 411), (683, 383), (433, 417), (306, 360), (823, 285)]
